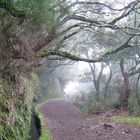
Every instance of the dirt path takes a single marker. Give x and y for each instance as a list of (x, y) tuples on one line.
[(66, 123)]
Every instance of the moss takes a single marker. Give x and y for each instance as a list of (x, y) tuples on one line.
[(56, 52), (15, 108), (45, 133), (1, 129), (129, 120)]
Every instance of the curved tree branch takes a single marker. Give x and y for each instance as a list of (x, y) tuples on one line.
[(101, 4), (63, 54), (67, 55)]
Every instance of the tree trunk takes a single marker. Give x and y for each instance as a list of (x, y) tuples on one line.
[(126, 91), (97, 80), (107, 83), (97, 87), (137, 93)]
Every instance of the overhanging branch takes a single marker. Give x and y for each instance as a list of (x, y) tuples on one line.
[(125, 14), (126, 11), (63, 54), (122, 47), (68, 55), (134, 72), (101, 4)]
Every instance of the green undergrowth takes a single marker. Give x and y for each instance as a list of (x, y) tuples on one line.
[(15, 107), (82, 106), (45, 133), (89, 107), (129, 120), (15, 111)]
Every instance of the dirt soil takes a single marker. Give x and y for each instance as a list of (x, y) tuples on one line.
[(67, 123)]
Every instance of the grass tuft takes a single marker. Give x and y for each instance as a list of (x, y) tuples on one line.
[(45, 133), (129, 120)]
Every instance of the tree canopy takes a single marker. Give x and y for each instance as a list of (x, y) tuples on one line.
[(44, 27)]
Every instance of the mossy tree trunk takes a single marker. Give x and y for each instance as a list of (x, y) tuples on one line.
[(126, 91)]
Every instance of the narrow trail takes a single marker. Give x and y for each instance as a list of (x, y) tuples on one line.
[(66, 123)]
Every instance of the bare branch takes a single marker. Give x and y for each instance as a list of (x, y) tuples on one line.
[(134, 72), (42, 43), (123, 46), (101, 4), (125, 14), (68, 29), (81, 18), (127, 10), (63, 54)]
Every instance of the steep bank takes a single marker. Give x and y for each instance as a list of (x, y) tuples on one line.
[(15, 106)]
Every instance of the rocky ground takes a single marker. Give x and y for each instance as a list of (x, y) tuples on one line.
[(67, 123)]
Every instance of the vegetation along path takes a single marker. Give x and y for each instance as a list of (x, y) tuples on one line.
[(66, 123)]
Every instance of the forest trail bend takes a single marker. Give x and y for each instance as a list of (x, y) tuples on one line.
[(66, 123)]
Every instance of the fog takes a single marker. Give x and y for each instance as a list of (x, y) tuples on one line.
[(75, 81)]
